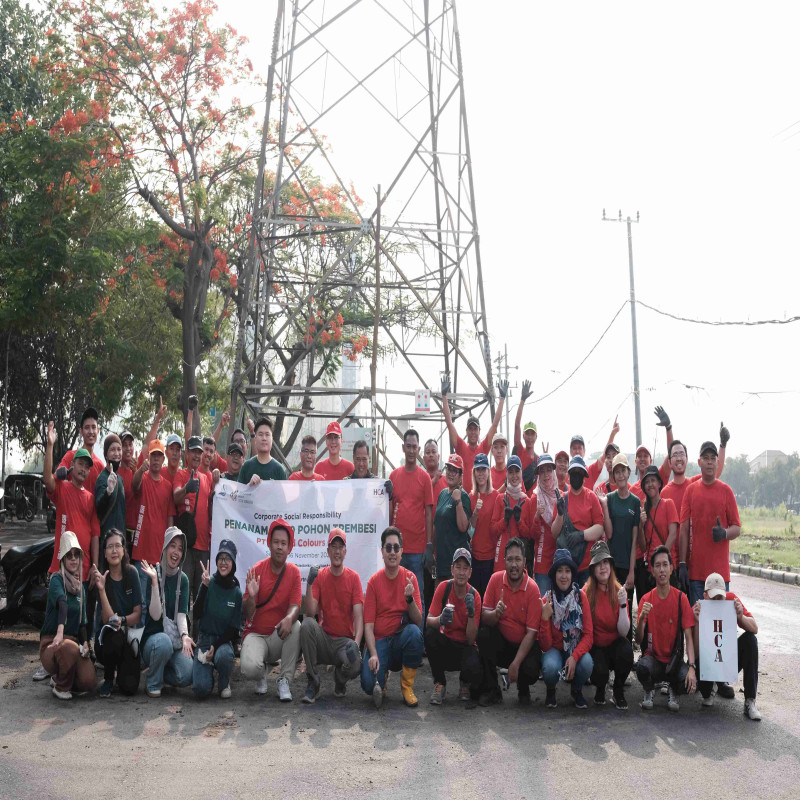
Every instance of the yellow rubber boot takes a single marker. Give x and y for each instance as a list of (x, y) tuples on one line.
[(409, 675)]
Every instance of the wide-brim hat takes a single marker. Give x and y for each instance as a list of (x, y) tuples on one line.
[(600, 552), (562, 558)]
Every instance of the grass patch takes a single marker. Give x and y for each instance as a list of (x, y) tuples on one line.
[(769, 536)]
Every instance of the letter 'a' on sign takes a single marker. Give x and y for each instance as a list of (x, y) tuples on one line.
[(717, 634), (422, 401)]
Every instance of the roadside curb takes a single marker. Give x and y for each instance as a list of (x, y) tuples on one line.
[(757, 571)]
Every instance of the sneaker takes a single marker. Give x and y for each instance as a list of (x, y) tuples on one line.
[(312, 690), (61, 695), (154, 692), (550, 699), (463, 692), (41, 673), (665, 689), (619, 700), (751, 711), (725, 691), (261, 685), (580, 700), (647, 702), (672, 703), (225, 693), (378, 694), (707, 702), (105, 689), (284, 692), (600, 696), (439, 691), (491, 698)]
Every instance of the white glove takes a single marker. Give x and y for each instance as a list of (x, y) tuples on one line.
[(112, 483)]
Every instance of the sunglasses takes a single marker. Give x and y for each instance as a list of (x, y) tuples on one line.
[(392, 548)]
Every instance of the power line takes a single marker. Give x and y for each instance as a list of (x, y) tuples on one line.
[(723, 322)]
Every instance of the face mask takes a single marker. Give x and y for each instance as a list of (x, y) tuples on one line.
[(115, 465), (576, 479)]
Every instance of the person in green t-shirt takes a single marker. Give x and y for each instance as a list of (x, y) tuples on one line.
[(621, 523), (262, 466), (451, 520)]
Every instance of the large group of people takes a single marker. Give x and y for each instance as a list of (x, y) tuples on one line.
[(498, 566)]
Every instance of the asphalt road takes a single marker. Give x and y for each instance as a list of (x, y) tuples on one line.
[(180, 747)]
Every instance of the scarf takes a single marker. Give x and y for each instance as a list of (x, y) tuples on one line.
[(164, 572), (568, 616), (547, 493), (228, 581), (515, 491), (74, 585)]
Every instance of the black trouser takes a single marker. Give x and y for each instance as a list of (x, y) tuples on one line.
[(617, 656), (446, 655), (117, 656), (482, 570), (622, 576), (496, 651), (747, 645), (428, 589), (642, 580), (650, 671)]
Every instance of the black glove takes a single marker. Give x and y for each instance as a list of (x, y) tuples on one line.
[(446, 617), (192, 485), (683, 576), (388, 488), (502, 388), (663, 418), (62, 473), (724, 436), (428, 560), (445, 386), (517, 511), (561, 504), (469, 602), (312, 575), (718, 532), (526, 391), (508, 512)]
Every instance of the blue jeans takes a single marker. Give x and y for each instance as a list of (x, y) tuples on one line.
[(165, 664), (203, 674), (394, 652), (696, 589), (143, 580), (543, 582), (414, 562), (552, 662)]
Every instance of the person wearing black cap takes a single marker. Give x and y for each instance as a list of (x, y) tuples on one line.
[(710, 512), (218, 613), (235, 461), (577, 447), (659, 524), (611, 626), (89, 432), (126, 471), (473, 445), (609, 485), (566, 634), (451, 629)]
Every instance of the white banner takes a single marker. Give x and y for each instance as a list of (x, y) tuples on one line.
[(360, 508), (719, 654)]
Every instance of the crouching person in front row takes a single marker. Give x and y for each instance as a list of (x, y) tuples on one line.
[(664, 617), (218, 612), (392, 624), (451, 630)]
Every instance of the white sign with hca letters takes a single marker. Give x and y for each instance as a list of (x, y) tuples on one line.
[(718, 632)]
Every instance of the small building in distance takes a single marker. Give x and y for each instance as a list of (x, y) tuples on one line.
[(767, 459)]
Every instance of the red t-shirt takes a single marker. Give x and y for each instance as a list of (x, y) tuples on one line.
[(336, 595), (502, 531), (676, 491), (745, 612), (411, 493), (385, 602), (544, 544), (550, 637), (523, 606), (664, 471), (468, 454), (662, 622), (201, 500), (266, 618), (662, 517), (604, 619), (437, 488), (218, 462), (298, 476), (344, 469), (584, 510), (524, 459), (97, 467), (153, 504), (483, 541), (457, 629), (131, 510), (75, 511), (498, 477), (594, 473), (702, 504)]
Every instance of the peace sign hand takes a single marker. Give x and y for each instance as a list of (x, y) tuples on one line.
[(206, 577)]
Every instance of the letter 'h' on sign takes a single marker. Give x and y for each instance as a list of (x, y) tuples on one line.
[(718, 632)]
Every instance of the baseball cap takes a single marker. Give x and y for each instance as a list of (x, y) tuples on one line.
[(481, 460), (125, 435), (462, 552), (652, 471), (333, 427), (235, 447), (706, 446), (473, 421), (156, 446), (577, 438), (173, 438), (561, 454), (90, 413), (544, 460), (83, 453), (642, 449), (513, 461), (337, 533), (715, 585), (611, 446), (499, 437), (194, 443), (620, 460), (576, 462), (529, 426), (456, 461)]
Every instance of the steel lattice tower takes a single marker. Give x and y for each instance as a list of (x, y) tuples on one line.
[(412, 250)]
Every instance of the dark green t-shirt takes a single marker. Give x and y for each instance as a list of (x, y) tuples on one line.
[(121, 600), (151, 625), (447, 536), (271, 471), (223, 609), (625, 516), (56, 590)]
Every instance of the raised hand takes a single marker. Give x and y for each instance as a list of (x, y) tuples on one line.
[(526, 391), (663, 417), (206, 577), (446, 617), (162, 409), (253, 583), (724, 435), (446, 386), (51, 436), (192, 485), (409, 587), (149, 571), (547, 606), (226, 416), (502, 388), (313, 571), (112, 480), (561, 504), (192, 402), (718, 532), (615, 427), (99, 579), (251, 426), (62, 473)]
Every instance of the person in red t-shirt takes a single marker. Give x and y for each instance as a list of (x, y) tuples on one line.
[(334, 593), (473, 445), (211, 459), (611, 623), (507, 518), (577, 447), (525, 441), (89, 433), (392, 623), (334, 468), (659, 613), (127, 468), (430, 460), (747, 646), (710, 519), (562, 470), (411, 510), (510, 621), (584, 510), (544, 501), (482, 501), (566, 634), (450, 632), (271, 606), (308, 457), (659, 520), (499, 454)]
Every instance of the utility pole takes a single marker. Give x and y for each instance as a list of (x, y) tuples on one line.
[(502, 365), (636, 397), (373, 370)]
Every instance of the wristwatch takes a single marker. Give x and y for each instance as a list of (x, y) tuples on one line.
[(692, 666), (410, 599)]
